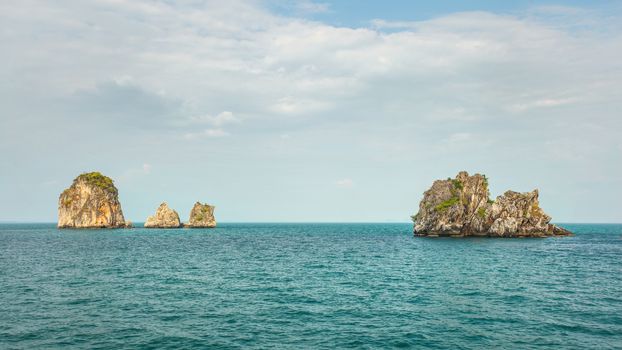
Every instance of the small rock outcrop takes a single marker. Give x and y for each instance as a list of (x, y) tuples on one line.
[(461, 207), (201, 216), (164, 217), (92, 201)]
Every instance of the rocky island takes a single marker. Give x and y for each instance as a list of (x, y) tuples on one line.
[(164, 217), (92, 201), (201, 216), (462, 207)]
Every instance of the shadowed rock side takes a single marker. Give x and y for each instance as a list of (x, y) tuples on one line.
[(90, 202), (164, 217), (201, 216), (461, 207)]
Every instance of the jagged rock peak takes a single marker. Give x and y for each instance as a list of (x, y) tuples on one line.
[(164, 217), (202, 215), (462, 207), (91, 202)]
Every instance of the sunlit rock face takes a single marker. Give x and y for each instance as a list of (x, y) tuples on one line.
[(92, 201), (462, 207), (201, 216), (164, 217)]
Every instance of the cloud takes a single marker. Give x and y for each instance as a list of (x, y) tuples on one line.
[(542, 103), (459, 137), (110, 81), (220, 119), (217, 122), (210, 133), (122, 100), (215, 133), (182, 59), (292, 106), (345, 183)]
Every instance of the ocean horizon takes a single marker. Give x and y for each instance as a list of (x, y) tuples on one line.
[(439, 150), (307, 285), (139, 224)]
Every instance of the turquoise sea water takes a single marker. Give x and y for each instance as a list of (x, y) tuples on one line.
[(307, 286)]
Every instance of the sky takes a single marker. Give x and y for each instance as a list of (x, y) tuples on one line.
[(301, 111)]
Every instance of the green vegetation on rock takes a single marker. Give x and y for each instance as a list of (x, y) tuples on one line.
[(457, 184), (481, 212), (446, 204), (95, 178), (462, 206), (66, 197)]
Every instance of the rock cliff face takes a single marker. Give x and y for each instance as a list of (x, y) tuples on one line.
[(202, 216), (91, 202), (461, 207), (164, 217)]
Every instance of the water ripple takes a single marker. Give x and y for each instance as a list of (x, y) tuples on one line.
[(320, 286)]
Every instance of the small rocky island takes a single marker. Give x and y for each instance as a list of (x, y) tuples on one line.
[(462, 207), (92, 201), (201, 216), (164, 217)]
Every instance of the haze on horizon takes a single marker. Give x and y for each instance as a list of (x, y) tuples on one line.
[(310, 111)]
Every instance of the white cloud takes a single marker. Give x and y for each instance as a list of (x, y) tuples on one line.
[(542, 103), (268, 65), (345, 183), (147, 168), (216, 122), (290, 105), (206, 133), (459, 137), (215, 133), (124, 77), (220, 119)]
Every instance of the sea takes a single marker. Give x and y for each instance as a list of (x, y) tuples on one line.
[(307, 286)]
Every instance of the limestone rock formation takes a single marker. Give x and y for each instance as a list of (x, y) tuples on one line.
[(461, 207), (92, 201), (201, 216), (164, 217)]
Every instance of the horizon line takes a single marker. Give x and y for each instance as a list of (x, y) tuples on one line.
[(306, 222)]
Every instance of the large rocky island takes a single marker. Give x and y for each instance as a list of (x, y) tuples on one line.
[(462, 207), (92, 201)]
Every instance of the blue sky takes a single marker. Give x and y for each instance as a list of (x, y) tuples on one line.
[(310, 111), (360, 13)]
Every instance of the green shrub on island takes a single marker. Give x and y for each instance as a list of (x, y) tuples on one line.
[(446, 204), (481, 212), (457, 184), (96, 178)]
